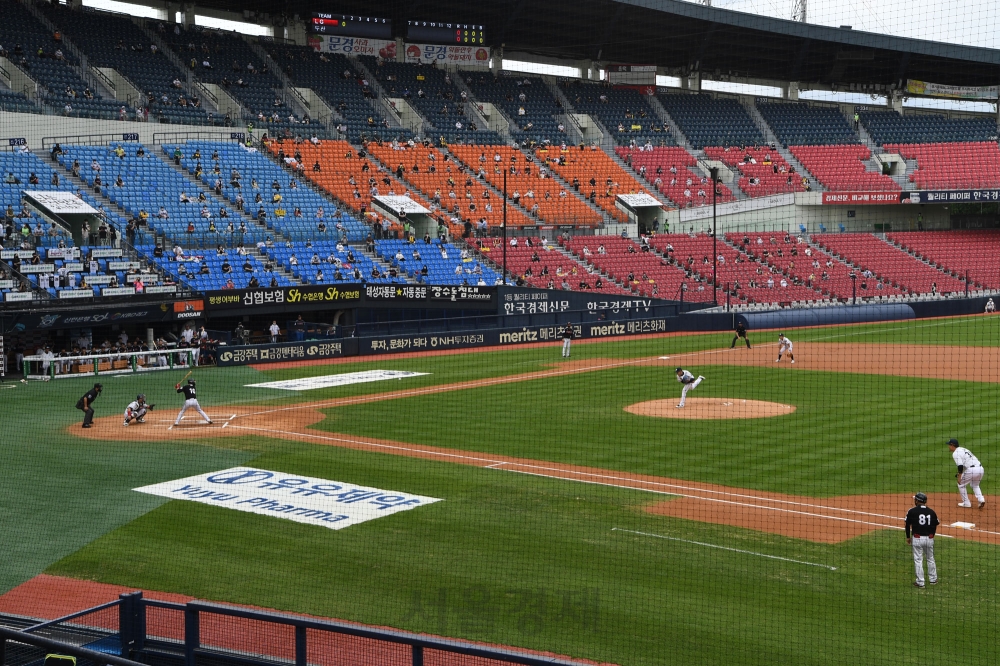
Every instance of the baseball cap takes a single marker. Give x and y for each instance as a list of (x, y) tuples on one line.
[(678, 370), (952, 442), (921, 497)]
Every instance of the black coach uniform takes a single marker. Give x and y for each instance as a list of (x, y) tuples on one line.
[(86, 404), (921, 525)]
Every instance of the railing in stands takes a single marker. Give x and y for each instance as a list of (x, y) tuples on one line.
[(160, 138), (19, 646), (89, 139), (203, 632), (105, 80)]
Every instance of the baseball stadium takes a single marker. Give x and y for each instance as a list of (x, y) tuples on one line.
[(554, 333)]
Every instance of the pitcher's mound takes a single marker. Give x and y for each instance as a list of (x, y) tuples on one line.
[(710, 408)]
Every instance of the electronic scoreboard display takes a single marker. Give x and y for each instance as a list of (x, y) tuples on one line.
[(347, 25), (436, 32)]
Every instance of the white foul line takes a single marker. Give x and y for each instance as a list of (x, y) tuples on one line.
[(495, 464), (734, 550)]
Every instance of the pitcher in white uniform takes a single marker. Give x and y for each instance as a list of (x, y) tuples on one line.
[(970, 473), (689, 382)]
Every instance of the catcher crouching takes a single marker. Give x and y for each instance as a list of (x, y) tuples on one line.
[(137, 409)]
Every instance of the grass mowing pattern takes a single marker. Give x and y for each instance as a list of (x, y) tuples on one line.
[(525, 561)]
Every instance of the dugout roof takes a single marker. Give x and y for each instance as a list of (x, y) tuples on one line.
[(683, 37)]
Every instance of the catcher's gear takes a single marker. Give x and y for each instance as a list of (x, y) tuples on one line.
[(141, 397)]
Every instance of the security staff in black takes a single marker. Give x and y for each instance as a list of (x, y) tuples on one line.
[(86, 405), (921, 525), (741, 332)]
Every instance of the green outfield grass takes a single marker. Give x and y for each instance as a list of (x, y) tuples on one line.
[(529, 561)]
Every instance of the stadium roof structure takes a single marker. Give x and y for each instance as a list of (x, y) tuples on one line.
[(683, 37)]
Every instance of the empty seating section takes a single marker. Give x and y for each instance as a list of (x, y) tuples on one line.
[(336, 264), (795, 123), (624, 113), (115, 42), (889, 264), (336, 80), (233, 64), (891, 127), (149, 185), (762, 171), (455, 193), (752, 281), (531, 183), (432, 92), (241, 269), (52, 237), (958, 252), (580, 167), (951, 166), (15, 102), (296, 215), (444, 262), (811, 266), (33, 48), (841, 168), (651, 274), (672, 171), (526, 101), (339, 166), (552, 270), (707, 121)]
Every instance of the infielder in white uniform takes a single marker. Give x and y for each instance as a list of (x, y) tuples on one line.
[(784, 347), (970, 473), (689, 382), (137, 409), (190, 401)]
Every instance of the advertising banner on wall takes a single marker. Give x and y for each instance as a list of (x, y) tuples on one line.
[(354, 46), (951, 196), (860, 198), (916, 87), (309, 350), (438, 54)]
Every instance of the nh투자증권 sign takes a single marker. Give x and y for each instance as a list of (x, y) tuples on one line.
[(303, 499)]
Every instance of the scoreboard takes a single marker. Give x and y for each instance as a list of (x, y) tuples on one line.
[(348, 25), (436, 32)]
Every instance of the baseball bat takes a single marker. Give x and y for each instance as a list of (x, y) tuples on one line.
[(185, 376)]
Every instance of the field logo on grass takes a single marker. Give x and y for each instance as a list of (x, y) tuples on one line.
[(304, 499), (328, 381)]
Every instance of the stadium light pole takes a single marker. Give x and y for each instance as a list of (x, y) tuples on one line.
[(505, 226), (715, 239)]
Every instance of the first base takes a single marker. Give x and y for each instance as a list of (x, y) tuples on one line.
[(964, 526)]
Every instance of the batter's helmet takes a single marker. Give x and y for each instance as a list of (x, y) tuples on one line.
[(920, 497), (191, 382)]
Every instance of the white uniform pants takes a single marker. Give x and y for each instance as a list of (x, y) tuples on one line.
[(191, 403), (923, 547), (971, 477), (566, 344), (688, 387)]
